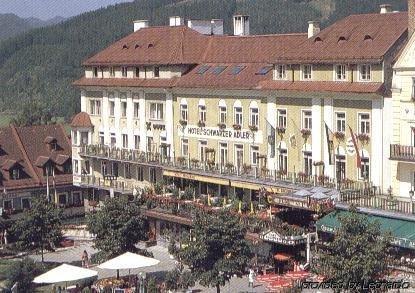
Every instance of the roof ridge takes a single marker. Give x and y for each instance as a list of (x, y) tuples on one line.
[(23, 150)]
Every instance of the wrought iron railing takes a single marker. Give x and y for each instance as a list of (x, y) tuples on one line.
[(402, 152)]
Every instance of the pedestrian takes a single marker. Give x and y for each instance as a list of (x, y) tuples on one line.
[(251, 277), (85, 259)]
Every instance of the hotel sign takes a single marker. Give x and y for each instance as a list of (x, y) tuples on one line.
[(272, 236), (229, 134)]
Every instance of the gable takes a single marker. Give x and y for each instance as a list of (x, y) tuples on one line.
[(407, 57)]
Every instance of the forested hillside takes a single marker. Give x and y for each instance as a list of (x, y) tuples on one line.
[(41, 64)]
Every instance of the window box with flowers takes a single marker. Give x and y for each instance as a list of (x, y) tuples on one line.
[(181, 160), (210, 150), (318, 163), (339, 135), (183, 123), (221, 125), (253, 128), (237, 126), (229, 166), (194, 161), (363, 138), (305, 133), (280, 131), (246, 168), (201, 123)]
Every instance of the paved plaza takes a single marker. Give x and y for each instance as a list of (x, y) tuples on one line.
[(166, 264)]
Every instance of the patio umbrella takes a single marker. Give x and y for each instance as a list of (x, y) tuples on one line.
[(64, 273), (128, 261)]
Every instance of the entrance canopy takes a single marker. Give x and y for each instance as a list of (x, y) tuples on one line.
[(65, 273), (403, 231), (127, 261)]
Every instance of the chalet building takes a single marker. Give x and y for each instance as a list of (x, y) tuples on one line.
[(34, 162)]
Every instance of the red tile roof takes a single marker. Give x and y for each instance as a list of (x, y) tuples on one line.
[(24, 146), (81, 119), (356, 38)]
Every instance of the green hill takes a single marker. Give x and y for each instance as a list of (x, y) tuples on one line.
[(41, 64)]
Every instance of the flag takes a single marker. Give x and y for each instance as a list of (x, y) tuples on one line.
[(358, 159), (271, 138), (330, 144)]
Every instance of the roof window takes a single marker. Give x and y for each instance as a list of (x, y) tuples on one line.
[(218, 69), (202, 69), (237, 69), (264, 70)]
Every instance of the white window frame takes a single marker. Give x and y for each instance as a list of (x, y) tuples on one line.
[(238, 147), (361, 76), (184, 112), (137, 141), (202, 150), (362, 166), (343, 75), (283, 156), (223, 113), (123, 106), (111, 108), (306, 121), (337, 120), (226, 149), (342, 160), (280, 72), (113, 139), (202, 113), (254, 153), (254, 117), (238, 116), (136, 113), (308, 163), (124, 140), (158, 112), (310, 75), (367, 123), (283, 117), (95, 107), (184, 147), (101, 137)]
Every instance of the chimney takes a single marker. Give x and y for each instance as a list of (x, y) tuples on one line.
[(139, 24), (313, 28), (176, 21), (241, 25), (411, 17), (385, 8)]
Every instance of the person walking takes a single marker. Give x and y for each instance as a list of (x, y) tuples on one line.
[(85, 259), (251, 277)]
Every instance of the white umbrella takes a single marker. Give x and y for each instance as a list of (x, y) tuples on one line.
[(129, 260), (64, 273)]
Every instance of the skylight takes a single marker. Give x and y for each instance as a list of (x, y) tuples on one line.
[(237, 69), (264, 70), (218, 70), (202, 69)]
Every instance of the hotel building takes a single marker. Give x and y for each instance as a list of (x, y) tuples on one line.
[(240, 111)]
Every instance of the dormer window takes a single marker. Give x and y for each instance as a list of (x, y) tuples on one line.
[(15, 174), (124, 71), (306, 72), (365, 72), (340, 72), (95, 72), (157, 71), (280, 72)]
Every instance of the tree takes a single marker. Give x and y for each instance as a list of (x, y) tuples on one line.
[(39, 227), (359, 252), (179, 279), (31, 113), (23, 272), (118, 227), (217, 250)]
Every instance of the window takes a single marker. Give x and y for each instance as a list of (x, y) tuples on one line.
[(113, 140), (280, 72), (15, 174), (112, 108), (202, 69), (202, 150), (156, 71), (124, 71), (223, 153), (364, 168), (150, 144), (306, 72), (254, 116), (308, 163), (101, 138), (136, 142), (237, 69), (156, 111), (282, 160), (264, 70), (254, 155), (95, 107), (125, 141), (95, 71), (75, 138), (26, 203), (340, 72), (87, 168), (238, 115), (140, 173), (7, 205), (239, 155), (307, 120), (137, 72), (341, 122), (340, 167), (136, 109), (103, 168), (152, 175), (112, 71), (364, 123), (365, 72), (114, 169), (183, 112), (76, 166), (185, 147), (282, 118), (222, 114), (84, 138), (127, 171), (202, 113), (218, 70), (123, 109)]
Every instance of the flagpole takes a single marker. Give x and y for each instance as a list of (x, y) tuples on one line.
[(47, 185)]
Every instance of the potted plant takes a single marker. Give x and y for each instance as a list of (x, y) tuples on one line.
[(229, 166), (253, 128), (201, 123), (339, 135), (183, 123), (318, 163), (181, 160), (237, 126), (305, 133), (194, 161), (246, 168), (280, 131), (363, 138), (221, 126)]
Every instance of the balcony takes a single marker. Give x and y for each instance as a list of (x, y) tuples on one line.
[(110, 183), (402, 153)]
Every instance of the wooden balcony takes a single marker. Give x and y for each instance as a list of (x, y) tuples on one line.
[(403, 153)]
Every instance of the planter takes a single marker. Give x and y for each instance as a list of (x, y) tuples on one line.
[(305, 133), (237, 127), (280, 130), (339, 135), (222, 125), (183, 123), (201, 124), (253, 128), (363, 138)]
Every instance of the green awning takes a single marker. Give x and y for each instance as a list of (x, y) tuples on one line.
[(403, 231)]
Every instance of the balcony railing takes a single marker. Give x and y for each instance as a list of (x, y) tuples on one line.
[(112, 183), (402, 152)]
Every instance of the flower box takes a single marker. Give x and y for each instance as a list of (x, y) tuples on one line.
[(221, 125), (339, 135), (201, 123), (305, 132), (280, 130), (183, 122), (363, 138), (253, 128), (237, 127)]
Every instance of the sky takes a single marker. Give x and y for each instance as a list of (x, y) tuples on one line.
[(46, 9)]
